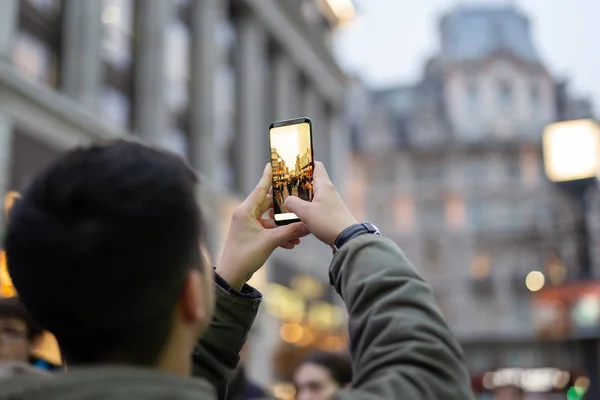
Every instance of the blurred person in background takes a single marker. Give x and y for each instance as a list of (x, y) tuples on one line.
[(510, 392), (241, 387), (19, 335), (321, 374)]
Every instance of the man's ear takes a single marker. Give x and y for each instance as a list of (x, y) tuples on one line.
[(191, 300)]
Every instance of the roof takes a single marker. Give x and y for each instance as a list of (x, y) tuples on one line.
[(475, 32)]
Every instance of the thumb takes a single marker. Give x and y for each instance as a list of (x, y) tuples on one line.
[(296, 205)]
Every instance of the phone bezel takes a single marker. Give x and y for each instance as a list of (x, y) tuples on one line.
[(288, 122)]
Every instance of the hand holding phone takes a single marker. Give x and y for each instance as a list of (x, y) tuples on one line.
[(292, 165)]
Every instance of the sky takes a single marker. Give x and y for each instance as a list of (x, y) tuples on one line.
[(391, 39), (290, 141)]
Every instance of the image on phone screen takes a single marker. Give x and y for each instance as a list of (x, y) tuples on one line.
[(292, 165)]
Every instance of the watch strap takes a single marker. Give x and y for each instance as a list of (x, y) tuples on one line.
[(353, 231)]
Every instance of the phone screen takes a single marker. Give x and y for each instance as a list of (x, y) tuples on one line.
[(292, 165)]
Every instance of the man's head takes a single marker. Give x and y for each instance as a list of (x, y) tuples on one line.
[(508, 393), (321, 374), (104, 250), (18, 332)]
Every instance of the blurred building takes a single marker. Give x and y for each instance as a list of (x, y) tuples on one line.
[(452, 169), (203, 78)]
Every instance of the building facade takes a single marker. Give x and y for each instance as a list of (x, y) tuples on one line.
[(202, 78), (452, 169)]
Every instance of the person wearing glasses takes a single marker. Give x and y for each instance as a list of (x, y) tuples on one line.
[(18, 332)]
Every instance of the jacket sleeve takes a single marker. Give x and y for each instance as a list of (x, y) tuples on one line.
[(216, 354), (401, 346)]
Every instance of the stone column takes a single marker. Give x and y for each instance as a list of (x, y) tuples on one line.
[(151, 113), (9, 14), (82, 67), (285, 76), (206, 57), (252, 139)]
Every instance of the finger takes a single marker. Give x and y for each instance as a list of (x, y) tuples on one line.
[(271, 191), (287, 233), (268, 223), (272, 213), (296, 205), (265, 205), (288, 246), (261, 190), (320, 175)]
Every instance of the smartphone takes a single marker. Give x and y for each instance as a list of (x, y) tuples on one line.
[(292, 163)]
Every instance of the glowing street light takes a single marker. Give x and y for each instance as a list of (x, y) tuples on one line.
[(572, 150), (342, 11), (535, 281)]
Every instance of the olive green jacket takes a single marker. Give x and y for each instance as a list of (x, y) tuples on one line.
[(400, 344)]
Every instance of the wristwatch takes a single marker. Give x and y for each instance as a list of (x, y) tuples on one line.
[(353, 231)]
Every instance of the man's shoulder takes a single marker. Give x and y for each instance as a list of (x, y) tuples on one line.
[(107, 383)]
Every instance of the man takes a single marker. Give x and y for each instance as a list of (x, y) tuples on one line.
[(321, 374), (104, 251), (19, 334), (240, 386)]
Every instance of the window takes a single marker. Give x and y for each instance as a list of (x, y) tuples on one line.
[(522, 312), (472, 95), (455, 211), (118, 58), (177, 142), (388, 171), (513, 166), (428, 171), (431, 255), (481, 267), (225, 83), (431, 215), (535, 96), (115, 106), (177, 68), (477, 213), (404, 213), (117, 19), (32, 57), (36, 47), (475, 170), (505, 95)]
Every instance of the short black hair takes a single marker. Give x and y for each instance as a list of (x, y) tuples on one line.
[(99, 247), (339, 365), (11, 307)]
